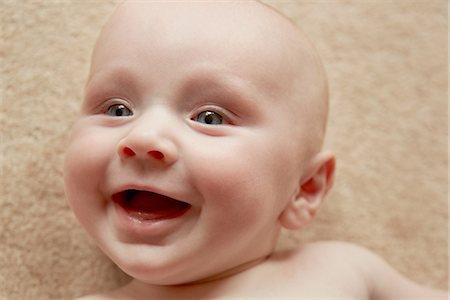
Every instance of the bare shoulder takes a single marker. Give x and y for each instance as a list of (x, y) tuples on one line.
[(334, 247), (325, 269), (379, 278), (347, 253)]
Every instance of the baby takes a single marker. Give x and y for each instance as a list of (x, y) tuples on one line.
[(201, 137)]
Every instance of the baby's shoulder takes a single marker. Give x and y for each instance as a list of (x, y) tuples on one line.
[(350, 260), (347, 264), (335, 247), (342, 252), (323, 269)]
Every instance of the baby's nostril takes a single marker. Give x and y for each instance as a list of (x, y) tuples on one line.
[(128, 152), (156, 155)]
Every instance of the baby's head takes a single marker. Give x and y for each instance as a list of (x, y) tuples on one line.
[(200, 137)]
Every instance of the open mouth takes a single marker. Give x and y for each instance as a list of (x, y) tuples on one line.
[(149, 206)]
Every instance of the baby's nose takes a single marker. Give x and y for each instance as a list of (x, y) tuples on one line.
[(159, 152), (151, 138)]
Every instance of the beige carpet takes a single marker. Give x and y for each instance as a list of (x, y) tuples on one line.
[(387, 63)]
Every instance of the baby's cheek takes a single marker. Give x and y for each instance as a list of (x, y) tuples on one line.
[(81, 159), (233, 186), (85, 162)]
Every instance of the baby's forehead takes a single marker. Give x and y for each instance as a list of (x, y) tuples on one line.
[(244, 37), (219, 24)]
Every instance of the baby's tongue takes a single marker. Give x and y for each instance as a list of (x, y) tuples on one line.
[(147, 206)]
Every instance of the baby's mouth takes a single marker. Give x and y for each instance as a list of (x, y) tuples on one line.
[(148, 206)]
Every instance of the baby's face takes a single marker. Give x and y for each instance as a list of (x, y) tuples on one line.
[(187, 149)]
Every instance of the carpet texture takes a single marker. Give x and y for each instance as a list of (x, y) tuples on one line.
[(387, 65)]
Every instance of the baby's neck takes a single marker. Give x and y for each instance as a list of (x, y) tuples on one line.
[(231, 272)]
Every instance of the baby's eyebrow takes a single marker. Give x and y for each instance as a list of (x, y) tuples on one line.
[(115, 80), (118, 74), (220, 82)]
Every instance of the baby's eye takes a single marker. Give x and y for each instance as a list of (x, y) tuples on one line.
[(118, 110), (209, 117)]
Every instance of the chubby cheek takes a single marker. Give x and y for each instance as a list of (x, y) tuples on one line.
[(86, 161), (241, 183)]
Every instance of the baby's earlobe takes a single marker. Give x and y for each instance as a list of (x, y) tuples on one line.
[(295, 215)]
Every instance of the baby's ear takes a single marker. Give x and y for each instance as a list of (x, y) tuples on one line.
[(312, 190)]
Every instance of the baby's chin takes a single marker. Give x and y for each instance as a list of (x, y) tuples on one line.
[(186, 279), (165, 271), (184, 271)]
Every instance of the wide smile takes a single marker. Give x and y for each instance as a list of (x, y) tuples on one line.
[(145, 206)]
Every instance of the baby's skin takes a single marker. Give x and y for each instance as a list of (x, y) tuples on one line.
[(322, 270), (199, 139)]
